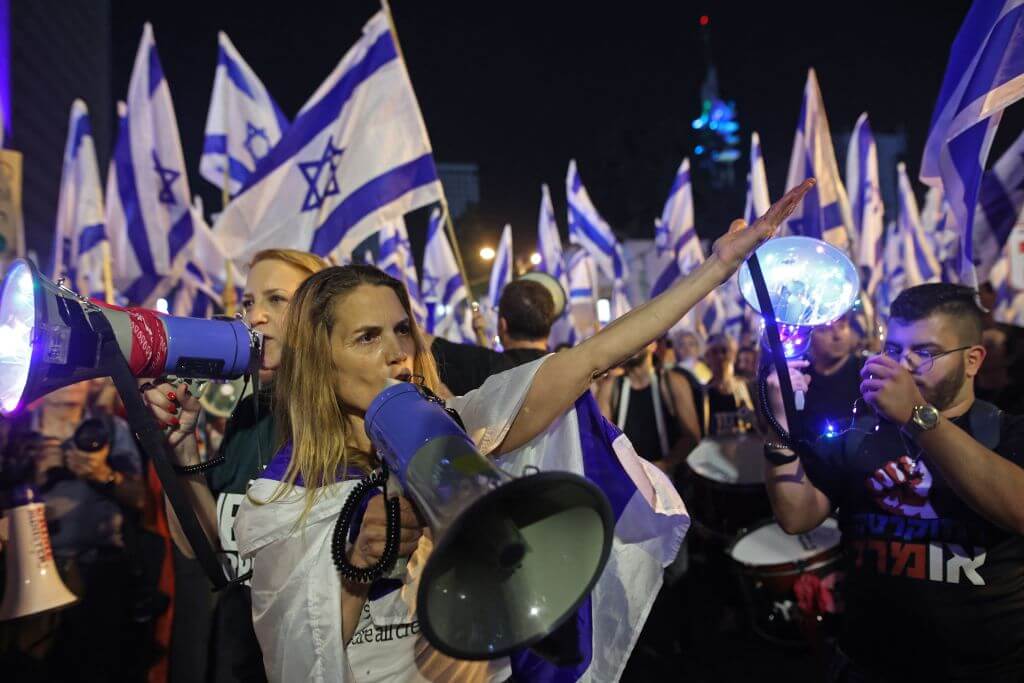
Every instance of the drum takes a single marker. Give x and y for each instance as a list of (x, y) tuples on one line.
[(788, 580), (724, 486)]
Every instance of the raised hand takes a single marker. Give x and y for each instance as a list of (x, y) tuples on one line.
[(734, 247)]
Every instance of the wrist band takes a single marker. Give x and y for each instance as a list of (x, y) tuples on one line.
[(772, 454), (201, 467)]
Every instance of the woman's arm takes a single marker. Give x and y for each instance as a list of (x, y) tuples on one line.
[(565, 376)]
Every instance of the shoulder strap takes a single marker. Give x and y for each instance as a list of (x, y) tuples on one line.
[(986, 422), (855, 437)]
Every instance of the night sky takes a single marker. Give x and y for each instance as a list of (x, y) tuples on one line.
[(520, 88)]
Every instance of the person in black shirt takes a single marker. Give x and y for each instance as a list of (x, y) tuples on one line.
[(834, 371), (525, 314), (928, 502)]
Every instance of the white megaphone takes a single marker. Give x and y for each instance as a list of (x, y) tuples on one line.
[(33, 584), (513, 558)]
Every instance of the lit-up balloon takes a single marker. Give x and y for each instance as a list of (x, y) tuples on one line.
[(809, 281)]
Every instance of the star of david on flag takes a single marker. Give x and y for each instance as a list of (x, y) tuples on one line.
[(243, 122), (306, 195), (166, 178), (326, 166)]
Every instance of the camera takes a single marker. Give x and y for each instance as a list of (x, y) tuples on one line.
[(90, 436)]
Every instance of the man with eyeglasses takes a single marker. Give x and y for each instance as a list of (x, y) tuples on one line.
[(928, 492)]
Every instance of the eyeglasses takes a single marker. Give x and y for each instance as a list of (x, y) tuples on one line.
[(921, 360)]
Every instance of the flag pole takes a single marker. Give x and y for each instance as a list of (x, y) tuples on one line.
[(449, 224), (228, 299), (108, 275)]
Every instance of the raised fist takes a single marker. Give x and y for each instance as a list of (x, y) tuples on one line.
[(901, 487)]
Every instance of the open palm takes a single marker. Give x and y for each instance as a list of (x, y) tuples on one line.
[(733, 248)]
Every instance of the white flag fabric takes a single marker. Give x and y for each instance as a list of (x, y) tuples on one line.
[(242, 124), (758, 199), (502, 270), (199, 292), (80, 231), (444, 291), (939, 227), (919, 261), (984, 75), (583, 291), (895, 275), (552, 262), (149, 223), (824, 212), (589, 230), (678, 247), (356, 156), (1009, 306), (395, 258), (866, 201)]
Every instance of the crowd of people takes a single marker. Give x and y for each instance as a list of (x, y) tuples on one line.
[(892, 443)]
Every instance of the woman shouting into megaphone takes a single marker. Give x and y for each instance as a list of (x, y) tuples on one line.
[(350, 333)]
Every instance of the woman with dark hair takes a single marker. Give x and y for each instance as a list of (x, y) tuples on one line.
[(349, 333)]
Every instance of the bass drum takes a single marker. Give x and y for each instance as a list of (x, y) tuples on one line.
[(724, 486), (789, 582)]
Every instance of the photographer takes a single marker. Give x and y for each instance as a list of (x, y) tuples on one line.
[(87, 472)]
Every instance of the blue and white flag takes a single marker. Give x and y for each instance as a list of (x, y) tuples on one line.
[(824, 212), (502, 270), (589, 230), (620, 304), (80, 236), (919, 260), (758, 200), (984, 75), (242, 124), (356, 156), (939, 228), (583, 291), (650, 522), (895, 275), (149, 223), (444, 292), (1000, 205), (675, 237), (552, 262), (394, 257), (1009, 305), (866, 202)]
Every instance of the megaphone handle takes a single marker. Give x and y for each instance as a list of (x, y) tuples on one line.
[(798, 400), (339, 540)]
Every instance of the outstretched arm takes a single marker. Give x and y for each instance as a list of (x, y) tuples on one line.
[(566, 375)]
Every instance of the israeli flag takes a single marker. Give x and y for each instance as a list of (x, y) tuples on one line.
[(583, 291), (242, 124), (866, 201), (758, 200), (502, 270), (824, 212), (938, 226), (920, 263), (199, 290), (444, 292), (552, 262), (149, 222), (1000, 203), (80, 236), (895, 275), (1009, 306), (589, 230), (394, 257), (984, 75), (677, 245), (356, 156), (620, 304)]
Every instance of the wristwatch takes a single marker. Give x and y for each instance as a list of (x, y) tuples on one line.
[(922, 419)]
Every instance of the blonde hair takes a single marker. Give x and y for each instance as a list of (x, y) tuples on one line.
[(308, 411), (311, 263)]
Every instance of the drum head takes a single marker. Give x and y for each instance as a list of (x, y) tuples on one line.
[(770, 545), (729, 460)]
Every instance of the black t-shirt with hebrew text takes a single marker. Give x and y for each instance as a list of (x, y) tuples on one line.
[(933, 590)]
